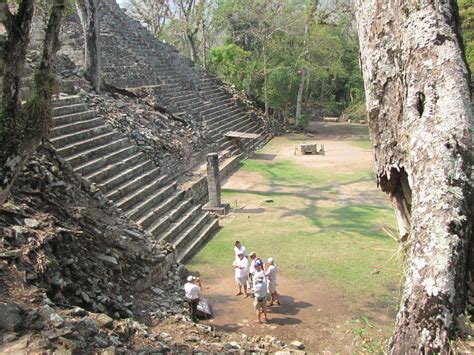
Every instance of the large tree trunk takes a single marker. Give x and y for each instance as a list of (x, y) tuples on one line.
[(189, 39), (18, 28), (265, 83), (299, 98), (309, 18), (88, 11), (418, 105)]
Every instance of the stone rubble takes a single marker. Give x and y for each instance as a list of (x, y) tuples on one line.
[(79, 279), (167, 140)]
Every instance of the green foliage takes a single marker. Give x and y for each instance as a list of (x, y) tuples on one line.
[(230, 63), (36, 114), (266, 38), (356, 111), (302, 122), (46, 83), (466, 12)]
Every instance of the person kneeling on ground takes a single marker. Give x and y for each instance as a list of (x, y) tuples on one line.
[(192, 289), (241, 273), (260, 302)]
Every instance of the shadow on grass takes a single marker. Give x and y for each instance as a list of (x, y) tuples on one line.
[(358, 218), (263, 156), (289, 306), (248, 210)]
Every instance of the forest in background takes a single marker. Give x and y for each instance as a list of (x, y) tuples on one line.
[(298, 57)]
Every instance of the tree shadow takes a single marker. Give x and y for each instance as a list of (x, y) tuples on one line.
[(248, 210), (289, 306), (263, 156)]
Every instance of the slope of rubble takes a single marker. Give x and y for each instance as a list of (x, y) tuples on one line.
[(76, 277)]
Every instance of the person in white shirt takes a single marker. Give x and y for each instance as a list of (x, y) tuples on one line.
[(239, 248), (259, 269), (270, 273), (260, 302), (192, 290), (241, 265)]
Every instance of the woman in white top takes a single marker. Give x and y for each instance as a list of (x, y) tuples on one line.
[(241, 265), (270, 273)]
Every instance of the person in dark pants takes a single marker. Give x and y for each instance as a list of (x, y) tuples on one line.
[(192, 289)]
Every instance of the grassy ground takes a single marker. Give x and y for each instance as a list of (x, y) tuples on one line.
[(319, 226)]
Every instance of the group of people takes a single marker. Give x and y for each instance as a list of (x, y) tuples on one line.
[(255, 276), (258, 276)]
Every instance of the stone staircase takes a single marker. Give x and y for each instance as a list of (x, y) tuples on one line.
[(108, 159), (134, 59)]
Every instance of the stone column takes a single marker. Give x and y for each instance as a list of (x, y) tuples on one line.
[(213, 180)]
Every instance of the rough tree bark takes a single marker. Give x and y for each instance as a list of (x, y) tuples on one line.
[(88, 11), (18, 28), (299, 98), (23, 127), (418, 107)]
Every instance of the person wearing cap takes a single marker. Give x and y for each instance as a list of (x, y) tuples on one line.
[(192, 290), (270, 273), (238, 247), (241, 272), (260, 302), (259, 268)]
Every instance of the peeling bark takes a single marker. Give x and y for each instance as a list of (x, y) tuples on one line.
[(88, 11), (418, 107)]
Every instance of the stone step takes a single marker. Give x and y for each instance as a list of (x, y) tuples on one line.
[(209, 91), (188, 251), (145, 197), (59, 121), (229, 121), (66, 100), (181, 223), (129, 186), (223, 115), (79, 136), (68, 109), (88, 144), (115, 167), (240, 125), (94, 165), (76, 127), (169, 202), (90, 155), (125, 176), (211, 105), (211, 108), (194, 101), (145, 206), (183, 94), (218, 96), (190, 231), (160, 225)]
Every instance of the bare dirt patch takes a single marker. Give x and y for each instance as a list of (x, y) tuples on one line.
[(312, 313)]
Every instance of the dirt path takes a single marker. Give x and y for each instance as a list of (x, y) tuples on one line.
[(310, 313), (313, 312)]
